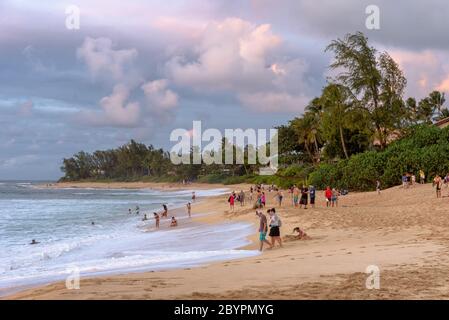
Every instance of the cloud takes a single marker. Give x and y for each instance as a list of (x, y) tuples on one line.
[(246, 60), (26, 108), (425, 70), (115, 112), (100, 57), (159, 97)]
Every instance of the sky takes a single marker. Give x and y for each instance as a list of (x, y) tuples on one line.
[(139, 69)]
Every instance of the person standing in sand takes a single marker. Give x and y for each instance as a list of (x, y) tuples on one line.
[(189, 209), (263, 228), (242, 198), (312, 192), (422, 177), (328, 195), (279, 196), (263, 199), (334, 197), (275, 225), (304, 197), (378, 186), (295, 196), (157, 219), (437, 182), (231, 201)]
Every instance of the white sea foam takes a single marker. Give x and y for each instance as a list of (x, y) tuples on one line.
[(61, 221)]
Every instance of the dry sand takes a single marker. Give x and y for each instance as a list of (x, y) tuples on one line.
[(403, 232)]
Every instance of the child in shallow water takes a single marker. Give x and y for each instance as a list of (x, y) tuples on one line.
[(173, 222)]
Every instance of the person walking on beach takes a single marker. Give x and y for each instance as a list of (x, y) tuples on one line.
[(242, 198), (263, 228), (157, 219), (312, 192), (231, 200), (279, 196), (295, 196), (328, 195), (437, 182), (251, 190), (422, 177), (263, 199), (334, 197), (378, 186), (275, 225), (304, 197), (189, 209)]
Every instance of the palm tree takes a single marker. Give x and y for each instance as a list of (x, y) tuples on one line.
[(337, 110), (307, 129)]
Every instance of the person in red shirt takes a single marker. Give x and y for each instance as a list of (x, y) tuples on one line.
[(231, 200), (328, 195)]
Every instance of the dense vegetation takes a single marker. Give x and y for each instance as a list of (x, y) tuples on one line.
[(361, 128)]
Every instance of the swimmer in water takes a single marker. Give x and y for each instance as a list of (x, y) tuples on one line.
[(145, 217), (34, 242)]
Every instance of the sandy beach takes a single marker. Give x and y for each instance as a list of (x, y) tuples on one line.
[(405, 233)]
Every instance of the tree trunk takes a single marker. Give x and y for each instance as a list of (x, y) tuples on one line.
[(343, 144)]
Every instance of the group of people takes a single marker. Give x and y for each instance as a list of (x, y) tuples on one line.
[(240, 197), (409, 179), (164, 214), (275, 224)]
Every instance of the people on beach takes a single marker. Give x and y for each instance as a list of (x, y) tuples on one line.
[(304, 197), (378, 186), (157, 219), (189, 209), (263, 228), (242, 198), (165, 212), (328, 195), (173, 222), (193, 196), (312, 193), (251, 191), (279, 196), (334, 198), (437, 182), (301, 234), (422, 177), (231, 201), (263, 199), (295, 194), (275, 225), (404, 181)]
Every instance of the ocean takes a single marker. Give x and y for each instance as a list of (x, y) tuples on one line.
[(118, 242)]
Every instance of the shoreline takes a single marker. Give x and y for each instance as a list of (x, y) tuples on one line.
[(405, 239)]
